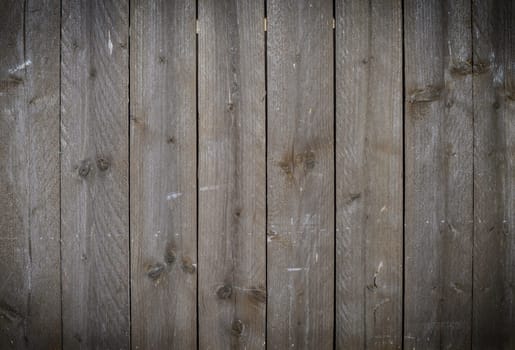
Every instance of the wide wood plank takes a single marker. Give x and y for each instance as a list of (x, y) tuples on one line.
[(163, 175), (232, 232), (94, 190), (300, 174), (438, 166), (494, 174), (369, 174), (30, 313)]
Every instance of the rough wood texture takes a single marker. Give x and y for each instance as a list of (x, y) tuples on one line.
[(163, 175), (30, 315), (232, 232), (300, 174), (438, 182), (369, 174), (94, 170), (494, 174)]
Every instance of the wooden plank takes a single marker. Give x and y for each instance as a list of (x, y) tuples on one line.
[(369, 174), (438, 174), (300, 174), (232, 221), (30, 313), (494, 174), (163, 175), (94, 171)]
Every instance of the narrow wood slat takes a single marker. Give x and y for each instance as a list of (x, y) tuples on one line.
[(494, 174), (94, 170), (369, 174), (300, 174), (438, 166), (232, 230), (163, 175), (30, 313)]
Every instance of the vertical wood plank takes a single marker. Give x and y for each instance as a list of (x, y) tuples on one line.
[(438, 165), (30, 313), (369, 174), (300, 174), (494, 174), (94, 171), (163, 175), (232, 230)]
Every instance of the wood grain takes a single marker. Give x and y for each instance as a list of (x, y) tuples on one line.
[(30, 313), (368, 174), (438, 178), (94, 190), (232, 232), (163, 175), (300, 174), (494, 174)]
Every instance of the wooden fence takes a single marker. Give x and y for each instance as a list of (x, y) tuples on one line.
[(242, 174)]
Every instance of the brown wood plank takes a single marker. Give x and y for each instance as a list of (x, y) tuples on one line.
[(368, 174), (494, 174), (30, 313), (438, 166), (300, 174), (163, 175), (232, 230), (94, 171)]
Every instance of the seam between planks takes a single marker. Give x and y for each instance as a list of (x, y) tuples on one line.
[(403, 64)]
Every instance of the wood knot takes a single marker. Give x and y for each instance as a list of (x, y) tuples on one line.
[(102, 164), (353, 197), (162, 59), (237, 328), (309, 160), (84, 168), (224, 292), (461, 67), (170, 255), (170, 140), (428, 94), (187, 265), (93, 72), (481, 67), (258, 295), (155, 271), (230, 106)]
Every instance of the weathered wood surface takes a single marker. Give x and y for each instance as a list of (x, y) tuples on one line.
[(163, 175), (494, 174), (232, 232), (369, 174), (438, 174), (162, 198), (300, 193), (30, 313), (94, 171)]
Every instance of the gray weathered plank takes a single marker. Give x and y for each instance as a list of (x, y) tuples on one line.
[(494, 174), (94, 172), (369, 174), (300, 174), (232, 229), (163, 175), (30, 315), (438, 174)]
